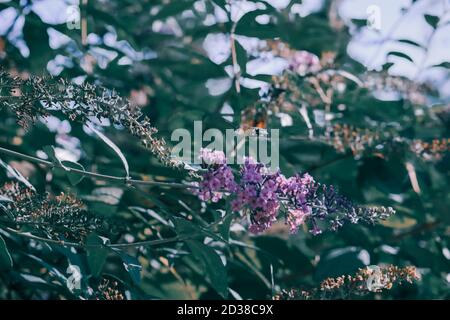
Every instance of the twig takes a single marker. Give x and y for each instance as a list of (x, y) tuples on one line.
[(83, 245), (236, 70), (94, 175), (84, 23)]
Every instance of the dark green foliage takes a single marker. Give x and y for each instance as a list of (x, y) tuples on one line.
[(79, 226)]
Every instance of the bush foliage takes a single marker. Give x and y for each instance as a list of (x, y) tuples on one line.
[(92, 205)]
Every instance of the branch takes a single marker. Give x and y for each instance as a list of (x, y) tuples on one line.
[(82, 245), (94, 175)]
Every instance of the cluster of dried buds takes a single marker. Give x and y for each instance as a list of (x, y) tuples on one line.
[(109, 290), (36, 97), (60, 217), (431, 151), (318, 89), (412, 91), (343, 137), (365, 281)]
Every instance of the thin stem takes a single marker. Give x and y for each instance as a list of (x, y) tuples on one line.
[(81, 245), (94, 175), (236, 70)]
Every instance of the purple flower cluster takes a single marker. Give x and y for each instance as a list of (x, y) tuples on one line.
[(262, 194), (218, 178), (258, 193)]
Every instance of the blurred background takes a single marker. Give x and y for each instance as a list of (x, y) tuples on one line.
[(377, 128)]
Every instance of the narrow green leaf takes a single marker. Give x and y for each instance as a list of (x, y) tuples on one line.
[(359, 22), (131, 265), (212, 266), (224, 227), (6, 261), (16, 174), (185, 227), (413, 43), (387, 65), (4, 199), (114, 147), (96, 253), (401, 55), (173, 8), (51, 153), (443, 65), (74, 178), (241, 56)]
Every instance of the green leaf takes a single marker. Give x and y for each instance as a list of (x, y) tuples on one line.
[(342, 261), (4, 199), (280, 252), (173, 8), (248, 26), (442, 65), (241, 56), (185, 227), (359, 22), (224, 227), (37, 39), (131, 265), (96, 253), (74, 177), (432, 20), (152, 213), (114, 147), (413, 43), (16, 174), (212, 266), (401, 55), (188, 229), (6, 261), (51, 153), (387, 65)]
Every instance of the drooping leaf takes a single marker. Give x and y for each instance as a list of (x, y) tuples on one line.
[(411, 42), (6, 261), (432, 20), (131, 265), (212, 265), (443, 65), (16, 174), (401, 55), (96, 253), (341, 261), (51, 153), (74, 178), (114, 147)]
